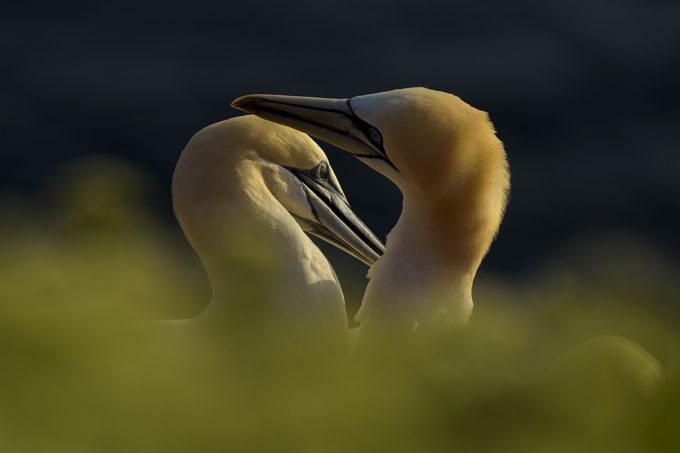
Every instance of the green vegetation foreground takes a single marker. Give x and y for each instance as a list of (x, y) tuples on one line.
[(582, 356)]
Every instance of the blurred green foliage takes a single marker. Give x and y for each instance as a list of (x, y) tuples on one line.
[(582, 355)]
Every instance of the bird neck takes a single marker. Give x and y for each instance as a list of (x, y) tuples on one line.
[(261, 264), (419, 279)]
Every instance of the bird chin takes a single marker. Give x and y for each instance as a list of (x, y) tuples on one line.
[(385, 169)]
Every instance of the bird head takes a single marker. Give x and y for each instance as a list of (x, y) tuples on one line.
[(245, 167), (440, 151)]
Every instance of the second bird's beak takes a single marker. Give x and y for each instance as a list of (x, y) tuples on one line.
[(331, 120), (335, 221)]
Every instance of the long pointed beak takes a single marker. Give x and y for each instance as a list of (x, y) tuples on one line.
[(331, 120), (336, 222)]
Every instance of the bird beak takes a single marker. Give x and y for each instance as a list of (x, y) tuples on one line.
[(336, 222), (331, 120)]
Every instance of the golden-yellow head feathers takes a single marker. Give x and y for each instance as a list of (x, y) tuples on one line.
[(248, 173), (231, 166), (442, 153), (447, 152), (222, 144), (436, 141)]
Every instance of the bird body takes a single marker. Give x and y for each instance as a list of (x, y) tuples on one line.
[(246, 192), (452, 170)]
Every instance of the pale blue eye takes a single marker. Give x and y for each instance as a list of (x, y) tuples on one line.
[(322, 171), (374, 135)]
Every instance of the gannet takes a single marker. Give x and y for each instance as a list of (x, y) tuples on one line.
[(245, 193), (453, 173)]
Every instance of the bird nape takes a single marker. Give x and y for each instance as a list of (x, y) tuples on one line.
[(452, 170)]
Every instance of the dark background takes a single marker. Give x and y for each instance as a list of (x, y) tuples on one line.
[(583, 93)]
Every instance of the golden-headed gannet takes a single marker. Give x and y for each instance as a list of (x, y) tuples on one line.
[(248, 180), (452, 170)]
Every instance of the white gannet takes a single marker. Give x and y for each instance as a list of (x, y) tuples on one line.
[(452, 170), (246, 179)]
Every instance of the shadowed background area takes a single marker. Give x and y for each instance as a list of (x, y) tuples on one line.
[(584, 94)]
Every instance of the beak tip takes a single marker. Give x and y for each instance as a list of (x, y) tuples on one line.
[(244, 103)]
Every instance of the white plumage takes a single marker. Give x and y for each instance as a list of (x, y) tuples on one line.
[(246, 192), (452, 170)]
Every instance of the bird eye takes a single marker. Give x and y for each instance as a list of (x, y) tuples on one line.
[(374, 135), (322, 171)]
